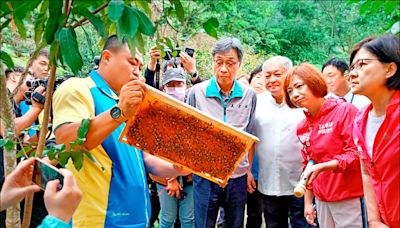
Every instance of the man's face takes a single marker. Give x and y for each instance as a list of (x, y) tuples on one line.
[(274, 74), (335, 80), (40, 67), (124, 67), (226, 66)]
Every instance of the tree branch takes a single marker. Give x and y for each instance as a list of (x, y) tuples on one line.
[(81, 22)]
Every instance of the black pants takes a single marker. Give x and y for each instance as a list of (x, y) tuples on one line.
[(277, 210), (254, 209)]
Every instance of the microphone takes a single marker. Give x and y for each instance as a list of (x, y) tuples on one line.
[(300, 188)]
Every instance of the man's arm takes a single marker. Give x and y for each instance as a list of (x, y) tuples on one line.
[(101, 126), (161, 168)]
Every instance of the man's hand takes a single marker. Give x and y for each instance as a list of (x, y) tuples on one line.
[(62, 204), (174, 188), (154, 55), (36, 104), (189, 63), (18, 184), (310, 214), (311, 172), (251, 183), (130, 97)]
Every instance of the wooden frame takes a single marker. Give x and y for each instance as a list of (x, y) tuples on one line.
[(161, 113)]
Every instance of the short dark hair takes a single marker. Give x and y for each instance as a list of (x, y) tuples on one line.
[(43, 52), (254, 72), (226, 44), (113, 44), (311, 76), (386, 49), (340, 64), (18, 69)]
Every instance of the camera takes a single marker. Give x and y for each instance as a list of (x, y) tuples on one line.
[(169, 55), (34, 84)]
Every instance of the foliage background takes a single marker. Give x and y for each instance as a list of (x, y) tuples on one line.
[(312, 31)]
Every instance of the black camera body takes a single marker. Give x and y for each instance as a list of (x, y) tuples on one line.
[(169, 56), (34, 84)]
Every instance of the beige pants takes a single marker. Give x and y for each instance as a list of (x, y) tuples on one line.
[(341, 214)]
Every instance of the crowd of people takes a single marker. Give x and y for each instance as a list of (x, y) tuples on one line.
[(342, 120)]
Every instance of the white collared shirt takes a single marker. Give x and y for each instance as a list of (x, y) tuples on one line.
[(357, 100), (279, 150)]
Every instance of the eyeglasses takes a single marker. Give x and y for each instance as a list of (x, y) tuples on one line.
[(228, 64), (359, 64)]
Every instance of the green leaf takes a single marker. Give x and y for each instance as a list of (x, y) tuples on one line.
[(115, 9), (128, 24), (20, 26), (144, 4), (40, 20), (77, 159), (80, 141), (63, 158), (69, 49), (136, 43), (168, 42), (55, 12), (211, 26), (23, 151), (375, 7), (59, 147), (180, 13), (365, 6), (4, 7), (5, 24), (93, 159), (390, 6), (84, 128), (145, 25), (53, 58), (3, 142), (22, 9), (9, 145), (6, 59), (95, 20)]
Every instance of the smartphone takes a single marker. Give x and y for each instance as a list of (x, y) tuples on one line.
[(189, 51), (43, 172)]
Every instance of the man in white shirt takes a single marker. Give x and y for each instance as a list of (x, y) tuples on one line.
[(280, 161), (335, 72)]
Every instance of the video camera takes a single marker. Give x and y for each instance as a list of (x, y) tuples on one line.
[(34, 84), (169, 55)]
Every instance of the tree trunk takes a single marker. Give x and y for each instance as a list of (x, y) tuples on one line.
[(10, 161)]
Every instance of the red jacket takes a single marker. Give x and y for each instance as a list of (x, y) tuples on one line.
[(328, 136), (385, 163)]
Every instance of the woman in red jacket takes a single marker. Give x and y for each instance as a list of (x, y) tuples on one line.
[(375, 73), (326, 135)]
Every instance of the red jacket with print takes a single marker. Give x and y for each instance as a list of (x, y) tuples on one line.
[(384, 166), (328, 136)]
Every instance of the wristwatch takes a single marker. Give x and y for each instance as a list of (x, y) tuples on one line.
[(194, 74), (116, 114)]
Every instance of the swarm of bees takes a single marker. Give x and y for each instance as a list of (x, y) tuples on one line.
[(163, 130)]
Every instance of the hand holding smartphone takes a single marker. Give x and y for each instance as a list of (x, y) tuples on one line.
[(43, 172)]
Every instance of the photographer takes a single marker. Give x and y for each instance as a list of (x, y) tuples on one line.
[(60, 203), (22, 121), (40, 65), (184, 62)]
